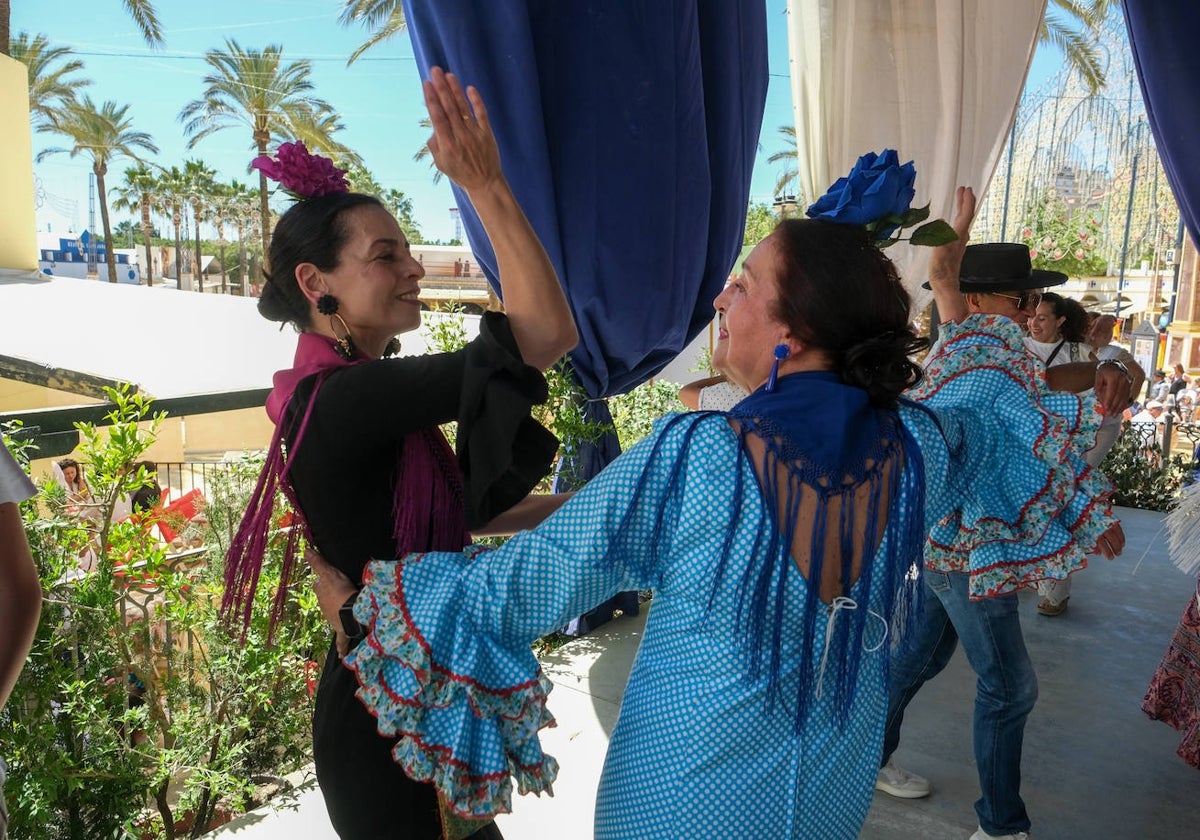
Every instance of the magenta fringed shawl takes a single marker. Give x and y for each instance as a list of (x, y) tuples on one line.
[(427, 504)]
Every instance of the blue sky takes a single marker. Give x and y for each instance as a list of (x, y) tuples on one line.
[(378, 97)]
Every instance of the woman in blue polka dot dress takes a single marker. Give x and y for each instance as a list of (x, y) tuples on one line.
[(783, 542)]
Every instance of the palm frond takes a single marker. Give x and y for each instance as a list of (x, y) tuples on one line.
[(143, 14), (381, 18), (1080, 50), (785, 181), (50, 89), (369, 13)]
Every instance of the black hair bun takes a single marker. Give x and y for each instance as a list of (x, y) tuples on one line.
[(883, 366)]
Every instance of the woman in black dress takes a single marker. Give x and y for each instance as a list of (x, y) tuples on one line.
[(365, 462)]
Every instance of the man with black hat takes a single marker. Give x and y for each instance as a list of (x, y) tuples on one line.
[(992, 279)]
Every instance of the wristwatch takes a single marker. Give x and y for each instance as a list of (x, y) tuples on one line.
[(1119, 365), (350, 625)]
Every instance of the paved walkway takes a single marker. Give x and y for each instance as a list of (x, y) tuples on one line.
[(1094, 767)]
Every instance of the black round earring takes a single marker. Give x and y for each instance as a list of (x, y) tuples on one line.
[(327, 304)]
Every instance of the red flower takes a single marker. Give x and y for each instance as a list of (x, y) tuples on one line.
[(303, 174)]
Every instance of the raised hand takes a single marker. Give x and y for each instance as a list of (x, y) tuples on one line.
[(945, 261), (463, 145)]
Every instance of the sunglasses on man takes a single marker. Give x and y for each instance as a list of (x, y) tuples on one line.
[(1025, 300)]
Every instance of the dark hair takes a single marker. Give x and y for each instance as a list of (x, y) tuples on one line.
[(842, 295), (80, 483), (1074, 328), (148, 494), (313, 230)]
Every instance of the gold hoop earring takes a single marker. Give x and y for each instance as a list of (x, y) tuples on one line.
[(344, 344)]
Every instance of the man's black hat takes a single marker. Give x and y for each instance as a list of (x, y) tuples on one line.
[(1002, 267)]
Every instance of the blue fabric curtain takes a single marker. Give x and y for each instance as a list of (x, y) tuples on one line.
[(1163, 37), (628, 129)]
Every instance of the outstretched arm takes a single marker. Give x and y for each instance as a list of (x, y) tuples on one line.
[(525, 514), (946, 260), (464, 148), (1112, 383)]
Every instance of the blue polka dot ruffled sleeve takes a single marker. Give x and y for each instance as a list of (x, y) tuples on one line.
[(1017, 503)]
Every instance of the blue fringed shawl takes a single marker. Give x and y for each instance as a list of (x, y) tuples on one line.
[(818, 435)]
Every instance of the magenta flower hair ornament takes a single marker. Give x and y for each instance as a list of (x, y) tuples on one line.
[(301, 173)]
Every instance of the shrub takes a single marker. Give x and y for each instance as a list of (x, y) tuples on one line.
[(139, 713), (1140, 475)]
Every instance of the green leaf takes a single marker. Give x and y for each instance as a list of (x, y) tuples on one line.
[(934, 233), (885, 243), (914, 215)]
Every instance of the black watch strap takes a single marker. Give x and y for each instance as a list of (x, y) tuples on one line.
[(350, 626)]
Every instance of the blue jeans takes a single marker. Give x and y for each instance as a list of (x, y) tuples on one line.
[(1006, 690)]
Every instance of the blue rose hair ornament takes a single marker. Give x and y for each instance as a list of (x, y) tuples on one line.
[(878, 194)]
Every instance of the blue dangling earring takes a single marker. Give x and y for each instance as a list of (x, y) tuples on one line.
[(781, 353)]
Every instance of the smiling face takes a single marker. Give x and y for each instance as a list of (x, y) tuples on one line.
[(749, 329), (1045, 325), (375, 281)]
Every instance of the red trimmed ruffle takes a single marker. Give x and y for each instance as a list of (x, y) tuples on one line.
[(1032, 507), (469, 739)]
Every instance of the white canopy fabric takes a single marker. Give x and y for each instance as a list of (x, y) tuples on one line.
[(937, 80), (169, 343)]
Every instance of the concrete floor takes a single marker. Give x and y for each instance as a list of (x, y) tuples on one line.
[(1094, 765)]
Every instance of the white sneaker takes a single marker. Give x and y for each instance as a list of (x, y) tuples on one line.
[(980, 834), (899, 782)]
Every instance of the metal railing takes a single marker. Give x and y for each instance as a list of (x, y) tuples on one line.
[(1171, 436), (181, 477)]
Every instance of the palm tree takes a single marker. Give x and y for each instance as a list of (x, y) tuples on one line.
[(221, 204), (242, 200), (256, 89), (201, 182), (138, 194), (102, 133), (142, 12), (172, 189), (790, 157), (383, 18), (401, 206), (49, 88), (1070, 25)]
